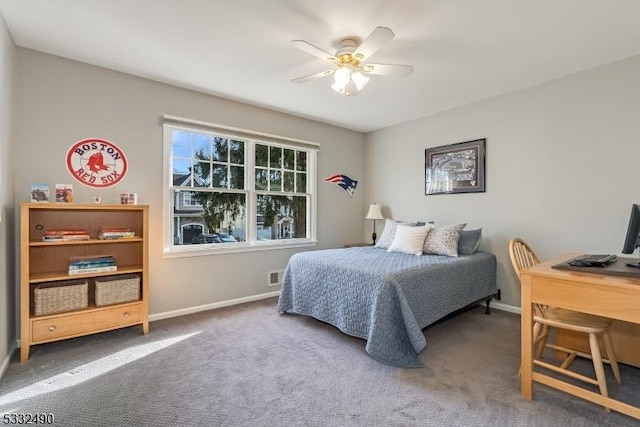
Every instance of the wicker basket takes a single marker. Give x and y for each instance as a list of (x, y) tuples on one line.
[(57, 297), (117, 289)]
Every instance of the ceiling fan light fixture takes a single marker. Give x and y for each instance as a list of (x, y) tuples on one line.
[(359, 79), (341, 76), (351, 70), (348, 80)]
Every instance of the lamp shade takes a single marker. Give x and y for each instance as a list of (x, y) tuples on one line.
[(348, 80), (374, 212)]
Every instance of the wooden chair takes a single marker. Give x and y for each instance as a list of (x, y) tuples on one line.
[(545, 318)]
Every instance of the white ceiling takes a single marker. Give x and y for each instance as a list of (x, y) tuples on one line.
[(462, 50)]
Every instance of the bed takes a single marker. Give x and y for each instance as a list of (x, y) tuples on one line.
[(386, 298)]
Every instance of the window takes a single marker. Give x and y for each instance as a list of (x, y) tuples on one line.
[(189, 200), (232, 190)]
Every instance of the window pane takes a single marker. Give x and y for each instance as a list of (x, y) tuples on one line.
[(275, 180), (301, 161), (261, 179), (180, 143), (301, 183), (209, 218), (182, 172), (287, 182), (220, 149), (262, 155), (276, 157), (288, 159), (202, 146), (236, 152), (201, 174), (219, 176), (237, 177), (281, 217)]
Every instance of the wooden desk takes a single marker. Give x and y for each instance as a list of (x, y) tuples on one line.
[(625, 337), (609, 296)]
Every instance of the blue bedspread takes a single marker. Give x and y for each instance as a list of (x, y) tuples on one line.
[(385, 298)]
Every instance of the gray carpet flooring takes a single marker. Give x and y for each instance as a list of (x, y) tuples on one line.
[(249, 366)]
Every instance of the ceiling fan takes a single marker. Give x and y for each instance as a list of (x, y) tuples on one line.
[(350, 70)]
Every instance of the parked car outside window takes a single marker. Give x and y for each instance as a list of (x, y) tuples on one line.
[(205, 238), (226, 238)]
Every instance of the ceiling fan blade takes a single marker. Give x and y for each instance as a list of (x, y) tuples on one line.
[(373, 42), (388, 69), (313, 76), (313, 50)]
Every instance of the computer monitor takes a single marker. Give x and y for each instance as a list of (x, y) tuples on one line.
[(632, 240)]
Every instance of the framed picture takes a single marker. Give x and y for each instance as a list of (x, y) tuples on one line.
[(455, 168), (39, 192), (64, 193)]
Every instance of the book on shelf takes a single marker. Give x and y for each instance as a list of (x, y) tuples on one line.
[(92, 259), (115, 233), (114, 229), (90, 270), (66, 234), (92, 264), (105, 235), (66, 237)]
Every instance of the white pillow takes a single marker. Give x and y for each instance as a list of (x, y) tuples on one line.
[(409, 239), (443, 240), (389, 233)]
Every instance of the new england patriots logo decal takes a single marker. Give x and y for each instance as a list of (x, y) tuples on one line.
[(344, 182)]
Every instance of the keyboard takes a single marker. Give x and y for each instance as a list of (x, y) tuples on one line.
[(592, 260)]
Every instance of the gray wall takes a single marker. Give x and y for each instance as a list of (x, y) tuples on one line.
[(62, 101), (562, 166), (7, 170)]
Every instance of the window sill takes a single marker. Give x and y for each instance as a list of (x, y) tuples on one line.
[(226, 248)]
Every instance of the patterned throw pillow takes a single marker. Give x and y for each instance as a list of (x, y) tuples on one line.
[(389, 233), (409, 239), (443, 240), (469, 241)]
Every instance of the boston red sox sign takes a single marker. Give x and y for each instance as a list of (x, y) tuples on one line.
[(96, 162)]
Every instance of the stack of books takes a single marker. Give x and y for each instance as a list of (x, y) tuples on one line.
[(92, 264), (115, 233), (63, 235)]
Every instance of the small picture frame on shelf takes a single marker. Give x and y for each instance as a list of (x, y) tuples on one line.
[(64, 193), (39, 193)]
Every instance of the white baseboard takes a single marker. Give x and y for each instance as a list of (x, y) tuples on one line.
[(504, 307), (182, 312), (5, 361)]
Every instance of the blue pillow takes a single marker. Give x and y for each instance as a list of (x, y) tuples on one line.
[(469, 241)]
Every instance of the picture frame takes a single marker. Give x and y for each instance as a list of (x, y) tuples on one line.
[(64, 193), (39, 193), (455, 168)]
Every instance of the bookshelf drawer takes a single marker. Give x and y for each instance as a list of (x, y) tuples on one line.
[(77, 324)]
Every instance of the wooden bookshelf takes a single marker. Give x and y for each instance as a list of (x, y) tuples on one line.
[(43, 262)]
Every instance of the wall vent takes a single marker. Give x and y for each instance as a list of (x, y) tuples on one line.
[(275, 278)]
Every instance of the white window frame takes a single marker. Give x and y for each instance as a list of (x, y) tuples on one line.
[(251, 138), (191, 204)]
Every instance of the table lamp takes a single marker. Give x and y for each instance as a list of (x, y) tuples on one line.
[(374, 213)]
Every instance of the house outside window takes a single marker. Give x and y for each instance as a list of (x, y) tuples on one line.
[(233, 190)]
